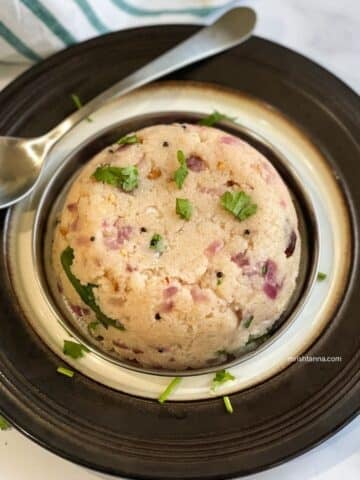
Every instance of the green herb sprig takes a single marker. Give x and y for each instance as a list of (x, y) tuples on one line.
[(227, 403), (86, 292), (78, 104), (248, 321), (65, 371), (255, 341), (74, 349), (130, 139), (4, 424), (169, 389), (214, 118), (92, 326), (221, 352), (239, 204), (184, 208), (182, 172), (126, 178), (221, 377), (157, 243)]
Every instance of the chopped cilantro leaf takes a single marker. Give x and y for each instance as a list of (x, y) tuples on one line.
[(73, 349), (221, 377), (125, 178), (157, 243), (228, 405), (256, 341), (78, 104), (239, 204), (321, 276), (4, 424), (248, 321), (215, 117), (65, 371), (86, 292), (221, 352), (169, 389), (182, 172), (183, 208), (129, 139), (92, 326)]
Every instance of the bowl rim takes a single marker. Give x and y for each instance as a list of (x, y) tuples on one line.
[(186, 117)]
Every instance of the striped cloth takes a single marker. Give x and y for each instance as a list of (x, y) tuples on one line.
[(33, 29)]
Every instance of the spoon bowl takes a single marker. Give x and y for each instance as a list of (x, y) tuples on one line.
[(21, 160)]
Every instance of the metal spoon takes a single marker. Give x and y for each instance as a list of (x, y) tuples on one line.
[(21, 159)]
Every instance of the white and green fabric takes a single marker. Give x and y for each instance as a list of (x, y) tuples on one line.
[(33, 29)]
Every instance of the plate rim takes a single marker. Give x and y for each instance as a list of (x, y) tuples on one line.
[(23, 79)]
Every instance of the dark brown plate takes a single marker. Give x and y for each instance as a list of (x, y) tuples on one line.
[(132, 437)]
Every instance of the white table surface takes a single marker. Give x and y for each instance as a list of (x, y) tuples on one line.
[(327, 31)]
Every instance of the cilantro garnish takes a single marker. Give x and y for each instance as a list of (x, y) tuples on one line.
[(215, 117), (92, 326), (239, 204), (86, 292), (182, 172), (78, 104), (183, 208), (73, 349), (169, 389), (248, 321), (157, 243), (65, 371), (125, 178), (4, 424), (129, 139), (221, 377), (228, 405), (321, 276), (255, 341), (221, 352)]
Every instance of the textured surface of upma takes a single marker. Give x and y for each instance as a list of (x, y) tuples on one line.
[(185, 292)]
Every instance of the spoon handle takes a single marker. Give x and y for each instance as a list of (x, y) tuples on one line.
[(231, 29)]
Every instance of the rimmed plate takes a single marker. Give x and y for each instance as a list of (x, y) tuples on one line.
[(285, 414)]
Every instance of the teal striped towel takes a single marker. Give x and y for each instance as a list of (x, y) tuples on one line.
[(33, 29)]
